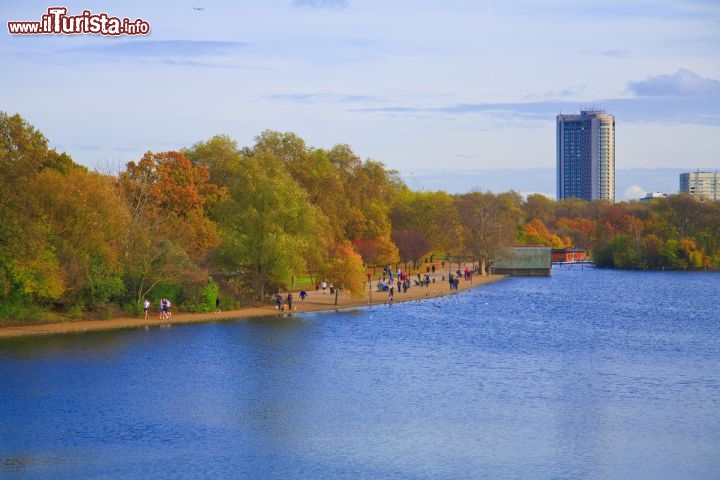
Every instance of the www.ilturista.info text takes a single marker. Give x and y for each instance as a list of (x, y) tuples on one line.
[(58, 22)]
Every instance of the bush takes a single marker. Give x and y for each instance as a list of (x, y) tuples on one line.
[(16, 309), (202, 299)]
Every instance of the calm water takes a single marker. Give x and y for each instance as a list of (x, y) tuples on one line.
[(586, 374)]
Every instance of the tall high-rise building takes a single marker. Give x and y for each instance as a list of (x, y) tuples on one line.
[(703, 185), (586, 156)]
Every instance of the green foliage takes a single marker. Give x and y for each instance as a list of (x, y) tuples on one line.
[(171, 291), (267, 224), (488, 223), (75, 312), (677, 232), (17, 308), (624, 254), (275, 215), (602, 255), (671, 253), (134, 308), (202, 298)]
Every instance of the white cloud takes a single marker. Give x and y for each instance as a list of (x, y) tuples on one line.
[(682, 83), (634, 192)]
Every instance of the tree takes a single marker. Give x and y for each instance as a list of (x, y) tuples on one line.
[(536, 233), (287, 147), (169, 199), (268, 226), (539, 207), (624, 252), (24, 150), (579, 230), (432, 214), (412, 245), (219, 155), (653, 247), (377, 251), (30, 270), (345, 269), (88, 221), (487, 225)]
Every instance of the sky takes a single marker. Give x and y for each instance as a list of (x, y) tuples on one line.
[(456, 95)]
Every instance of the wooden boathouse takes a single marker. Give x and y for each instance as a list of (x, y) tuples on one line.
[(523, 260)]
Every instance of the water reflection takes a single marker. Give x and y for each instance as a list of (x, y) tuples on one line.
[(519, 379)]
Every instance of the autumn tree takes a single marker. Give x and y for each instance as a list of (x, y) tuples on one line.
[(169, 199), (536, 233), (487, 225), (354, 195), (430, 217), (345, 269), (62, 226), (268, 227), (540, 207), (89, 222), (412, 245), (579, 230), (30, 270)]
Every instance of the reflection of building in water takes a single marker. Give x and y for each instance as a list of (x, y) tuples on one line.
[(703, 185)]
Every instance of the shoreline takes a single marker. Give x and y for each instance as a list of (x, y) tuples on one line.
[(315, 302)]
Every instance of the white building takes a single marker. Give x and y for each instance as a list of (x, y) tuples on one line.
[(650, 196), (703, 185)]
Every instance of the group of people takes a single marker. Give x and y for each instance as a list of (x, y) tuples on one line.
[(280, 305), (165, 313), (454, 282), (386, 283), (324, 285), (388, 280), (403, 282), (164, 308)]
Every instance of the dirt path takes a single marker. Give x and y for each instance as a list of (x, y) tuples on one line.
[(315, 301)]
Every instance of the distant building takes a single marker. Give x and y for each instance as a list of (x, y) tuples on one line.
[(569, 255), (653, 195), (586, 156), (703, 185), (525, 260)]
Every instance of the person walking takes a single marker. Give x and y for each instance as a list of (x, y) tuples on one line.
[(217, 304), (146, 307), (289, 300)]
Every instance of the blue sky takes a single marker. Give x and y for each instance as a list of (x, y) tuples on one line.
[(459, 94)]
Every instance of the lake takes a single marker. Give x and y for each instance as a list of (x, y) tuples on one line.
[(587, 374)]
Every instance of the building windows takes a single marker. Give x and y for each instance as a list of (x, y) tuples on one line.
[(586, 155)]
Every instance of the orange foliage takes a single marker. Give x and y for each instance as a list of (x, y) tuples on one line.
[(536, 233), (579, 231), (168, 182)]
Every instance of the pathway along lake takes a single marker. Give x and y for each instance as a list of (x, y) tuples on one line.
[(586, 374)]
